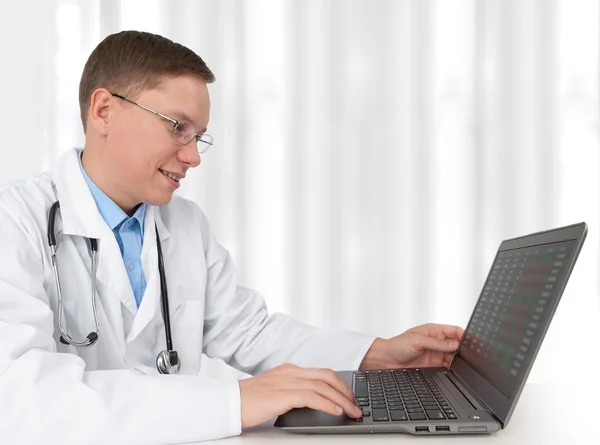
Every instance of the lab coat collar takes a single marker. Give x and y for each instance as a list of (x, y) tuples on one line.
[(163, 232), (78, 210)]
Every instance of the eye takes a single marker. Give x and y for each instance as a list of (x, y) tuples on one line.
[(185, 127), (183, 131)]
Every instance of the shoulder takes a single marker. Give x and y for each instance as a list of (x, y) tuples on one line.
[(24, 206), (30, 196)]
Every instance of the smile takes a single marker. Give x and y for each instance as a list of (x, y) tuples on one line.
[(173, 176)]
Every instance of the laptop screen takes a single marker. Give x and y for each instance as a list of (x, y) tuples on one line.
[(513, 312)]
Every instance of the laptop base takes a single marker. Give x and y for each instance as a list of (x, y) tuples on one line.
[(471, 419)]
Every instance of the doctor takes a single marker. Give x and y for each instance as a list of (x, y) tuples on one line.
[(108, 300)]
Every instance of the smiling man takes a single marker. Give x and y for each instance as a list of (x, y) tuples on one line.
[(112, 287)]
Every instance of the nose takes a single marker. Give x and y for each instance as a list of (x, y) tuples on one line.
[(189, 154)]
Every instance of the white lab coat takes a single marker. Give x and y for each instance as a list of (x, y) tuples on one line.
[(111, 392)]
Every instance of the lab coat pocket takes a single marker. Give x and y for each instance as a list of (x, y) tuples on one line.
[(187, 322)]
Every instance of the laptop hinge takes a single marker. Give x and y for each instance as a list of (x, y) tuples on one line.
[(469, 394)]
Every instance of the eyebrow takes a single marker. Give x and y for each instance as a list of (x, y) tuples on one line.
[(180, 115)]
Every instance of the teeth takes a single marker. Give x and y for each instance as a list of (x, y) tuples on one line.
[(170, 175)]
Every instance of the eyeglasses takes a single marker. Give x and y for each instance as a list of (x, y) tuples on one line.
[(183, 131)]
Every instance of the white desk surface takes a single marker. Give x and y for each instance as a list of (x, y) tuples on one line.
[(546, 414)]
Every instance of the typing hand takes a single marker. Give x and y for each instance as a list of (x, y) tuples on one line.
[(422, 346), (280, 389)]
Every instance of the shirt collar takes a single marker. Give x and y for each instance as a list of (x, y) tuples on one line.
[(110, 211)]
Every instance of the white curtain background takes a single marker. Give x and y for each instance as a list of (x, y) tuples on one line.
[(369, 156)]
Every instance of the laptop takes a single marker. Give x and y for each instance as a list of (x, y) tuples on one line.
[(478, 392)]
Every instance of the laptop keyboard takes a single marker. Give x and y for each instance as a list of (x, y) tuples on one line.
[(400, 395)]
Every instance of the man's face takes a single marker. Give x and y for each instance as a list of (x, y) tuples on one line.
[(143, 153)]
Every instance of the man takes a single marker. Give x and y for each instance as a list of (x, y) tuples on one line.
[(145, 109)]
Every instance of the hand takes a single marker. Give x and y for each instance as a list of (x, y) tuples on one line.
[(428, 345), (280, 389)]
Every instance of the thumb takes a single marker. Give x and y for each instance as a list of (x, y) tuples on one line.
[(424, 343)]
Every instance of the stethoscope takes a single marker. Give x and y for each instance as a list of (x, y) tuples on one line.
[(167, 361)]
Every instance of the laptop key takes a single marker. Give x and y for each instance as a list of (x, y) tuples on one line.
[(434, 414), (398, 415), (380, 415), (361, 389), (417, 416), (451, 416)]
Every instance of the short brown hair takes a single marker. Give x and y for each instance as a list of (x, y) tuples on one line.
[(131, 61)]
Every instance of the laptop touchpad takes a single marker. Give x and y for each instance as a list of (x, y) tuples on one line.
[(300, 417)]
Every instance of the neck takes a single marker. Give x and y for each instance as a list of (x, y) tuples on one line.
[(94, 167)]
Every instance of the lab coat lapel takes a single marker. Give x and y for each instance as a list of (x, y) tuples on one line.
[(151, 305)]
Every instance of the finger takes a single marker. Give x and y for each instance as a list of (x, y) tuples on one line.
[(311, 399), (330, 377), (455, 332), (326, 391), (424, 343), (445, 330)]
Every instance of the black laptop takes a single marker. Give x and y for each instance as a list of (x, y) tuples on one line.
[(480, 389)]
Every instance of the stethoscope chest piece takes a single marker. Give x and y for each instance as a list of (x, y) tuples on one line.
[(167, 362)]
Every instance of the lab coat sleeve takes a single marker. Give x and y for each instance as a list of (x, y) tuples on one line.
[(239, 329), (49, 398)]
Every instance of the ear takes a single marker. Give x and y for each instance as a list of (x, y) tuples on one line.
[(99, 111)]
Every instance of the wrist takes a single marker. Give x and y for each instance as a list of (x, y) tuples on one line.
[(377, 356)]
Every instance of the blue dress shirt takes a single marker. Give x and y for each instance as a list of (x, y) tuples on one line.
[(129, 233)]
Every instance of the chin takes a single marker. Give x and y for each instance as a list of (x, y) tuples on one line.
[(159, 200)]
